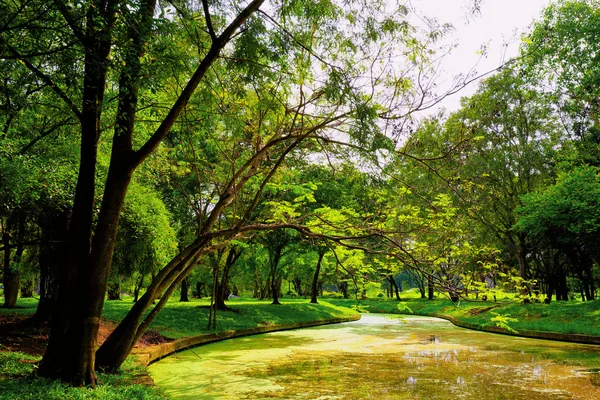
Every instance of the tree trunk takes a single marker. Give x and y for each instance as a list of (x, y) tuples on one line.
[(184, 291), (11, 277), (563, 289), (394, 286), (54, 225), (344, 289), (430, 288), (118, 345), (522, 256), (138, 288), (12, 273), (275, 286), (70, 354), (223, 287), (315, 280)]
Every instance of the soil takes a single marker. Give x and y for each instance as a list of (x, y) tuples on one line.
[(25, 334)]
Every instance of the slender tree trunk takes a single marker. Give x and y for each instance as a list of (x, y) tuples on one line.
[(430, 288), (138, 288), (522, 256), (315, 280), (394, 287), (275, 282), (11, 289), (12, 273), (223, 287), (118, 345), (184, 291)]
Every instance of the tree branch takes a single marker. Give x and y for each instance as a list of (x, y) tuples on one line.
[(48, 81), (209, 25), (193, 83)]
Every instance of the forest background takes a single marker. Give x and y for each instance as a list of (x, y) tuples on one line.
[(150, 146)]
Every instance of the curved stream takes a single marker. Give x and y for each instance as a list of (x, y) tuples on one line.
[(382, 358)]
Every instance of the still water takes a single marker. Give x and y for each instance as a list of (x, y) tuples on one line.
[(382, 358)]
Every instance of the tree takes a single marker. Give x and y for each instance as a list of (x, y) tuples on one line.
[(566, 215)]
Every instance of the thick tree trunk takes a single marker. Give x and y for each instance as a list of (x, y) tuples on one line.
[(71, 348), (52, 258), (70, 352), (183, 296), (315, 280)]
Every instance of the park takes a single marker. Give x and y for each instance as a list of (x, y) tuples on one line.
[(299, 199)]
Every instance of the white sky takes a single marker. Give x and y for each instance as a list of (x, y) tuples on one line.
[(500, 22)]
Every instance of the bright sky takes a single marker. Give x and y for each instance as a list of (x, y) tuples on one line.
[(500, 22)]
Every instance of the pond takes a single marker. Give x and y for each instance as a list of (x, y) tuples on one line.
[(381, 357)]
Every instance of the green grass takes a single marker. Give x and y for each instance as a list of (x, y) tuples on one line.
[(17, 381), (571, 317), (179, 319)]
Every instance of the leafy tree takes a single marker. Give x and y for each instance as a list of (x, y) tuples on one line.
[(566, 216)]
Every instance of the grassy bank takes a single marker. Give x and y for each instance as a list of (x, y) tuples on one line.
[(177, 320), (17, 381), (559, 317)]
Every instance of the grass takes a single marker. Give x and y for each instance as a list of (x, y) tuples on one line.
[(570, 317), (179, 319), (17, 381)]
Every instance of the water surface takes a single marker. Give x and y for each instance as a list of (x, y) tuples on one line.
[(383, 358)]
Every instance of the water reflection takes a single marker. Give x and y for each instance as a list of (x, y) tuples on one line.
[(411, 358)]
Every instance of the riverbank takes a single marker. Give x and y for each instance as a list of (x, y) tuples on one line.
[(178, 326), (565, 321)]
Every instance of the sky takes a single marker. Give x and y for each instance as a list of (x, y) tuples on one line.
[(500, 22)]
